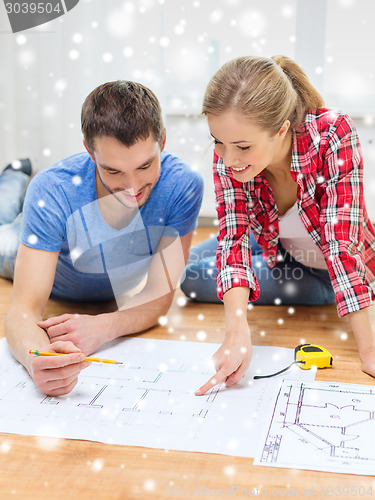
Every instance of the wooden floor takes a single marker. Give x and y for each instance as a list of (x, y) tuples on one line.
[(39, 469)]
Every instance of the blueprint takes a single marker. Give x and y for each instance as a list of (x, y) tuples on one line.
[(321, 426), (149, 400)]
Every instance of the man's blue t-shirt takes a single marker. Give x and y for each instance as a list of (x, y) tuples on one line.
[(61, 214)]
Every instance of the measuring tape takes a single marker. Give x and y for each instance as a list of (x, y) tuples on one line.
[(306, 356)]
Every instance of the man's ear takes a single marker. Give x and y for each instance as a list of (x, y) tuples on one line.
[(89, 151), (163, 141)]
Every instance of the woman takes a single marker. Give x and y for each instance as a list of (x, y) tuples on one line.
[(288, 179)]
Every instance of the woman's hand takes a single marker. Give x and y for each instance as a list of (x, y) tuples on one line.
[(231, 360)]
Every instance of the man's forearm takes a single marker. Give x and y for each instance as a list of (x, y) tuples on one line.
[(23, 334), (137, 318)]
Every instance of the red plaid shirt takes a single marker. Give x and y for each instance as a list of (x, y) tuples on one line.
[(327, 165)]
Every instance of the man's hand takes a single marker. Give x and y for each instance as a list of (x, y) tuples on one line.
[(58, 375), (86, 332), (231, 360)]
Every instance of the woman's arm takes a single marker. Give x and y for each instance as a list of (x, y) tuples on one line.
[(345, 233), (365, 338), (235, 279), (233, 357), (344, 227)]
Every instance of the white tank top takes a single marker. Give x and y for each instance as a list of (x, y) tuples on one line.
[(297, 241)]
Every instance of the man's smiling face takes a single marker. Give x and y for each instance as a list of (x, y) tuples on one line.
[(128, 173)]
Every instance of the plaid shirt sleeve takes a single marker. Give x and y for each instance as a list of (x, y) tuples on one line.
[(341, 216), (233, 258)]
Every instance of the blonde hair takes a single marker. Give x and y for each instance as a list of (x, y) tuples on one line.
[(268, 91)]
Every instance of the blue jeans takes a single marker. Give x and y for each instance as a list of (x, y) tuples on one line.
[(289, 281), (12, 191)]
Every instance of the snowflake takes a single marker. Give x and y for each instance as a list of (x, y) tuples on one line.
[(201, 335), (181, 301), (290, 289), (5, 447), (287, 11), (16, 164), (252, 23), (233, 444), (26, 57), (74, 54), (77, 180), (347, 3), (77, 38), (75, 253), (164, 41), (163, 320), (180, 29), (21, 39), (229, 471), (128, 51), (49, 443), (32, 239), (107, 57), (60, 85), (120, 22), (216, 16), (97, 465)]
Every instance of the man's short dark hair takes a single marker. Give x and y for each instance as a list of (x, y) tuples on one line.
[(125, 110)]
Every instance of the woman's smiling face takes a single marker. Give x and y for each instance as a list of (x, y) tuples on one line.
[(244, 148)]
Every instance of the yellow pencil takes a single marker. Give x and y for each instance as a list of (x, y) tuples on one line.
[(95, 360)]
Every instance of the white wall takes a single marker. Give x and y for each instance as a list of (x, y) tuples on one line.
[(174, 46)]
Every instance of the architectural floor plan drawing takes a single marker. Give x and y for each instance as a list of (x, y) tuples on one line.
[(321, 426), (149, 400)]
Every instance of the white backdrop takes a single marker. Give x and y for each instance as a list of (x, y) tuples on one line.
[(174, 46)]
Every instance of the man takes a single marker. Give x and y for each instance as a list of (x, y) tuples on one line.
[(94, 226)]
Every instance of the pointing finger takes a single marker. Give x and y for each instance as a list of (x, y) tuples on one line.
[(220, 376)]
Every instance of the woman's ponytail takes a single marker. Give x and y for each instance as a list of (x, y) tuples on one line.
[(308, 97)]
